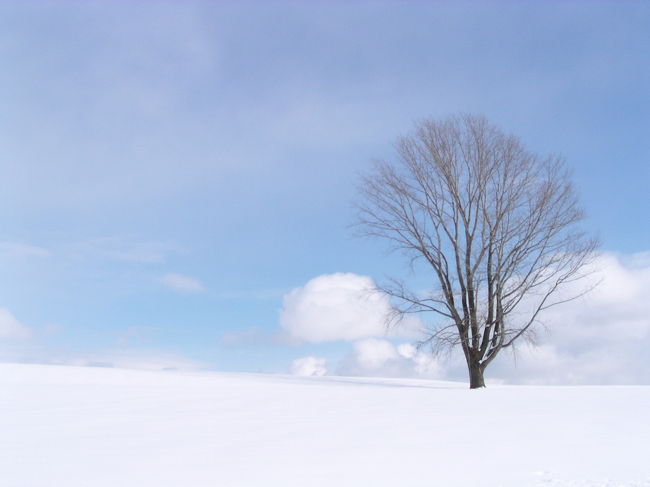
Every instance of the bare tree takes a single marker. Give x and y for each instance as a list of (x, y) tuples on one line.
[(497, 225)]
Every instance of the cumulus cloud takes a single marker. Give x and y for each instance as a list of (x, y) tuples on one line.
[(11, 328), (309, 367), (381, 358), (183, 284), (341, 306)]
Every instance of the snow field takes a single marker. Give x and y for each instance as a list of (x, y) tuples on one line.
[(79, 427)]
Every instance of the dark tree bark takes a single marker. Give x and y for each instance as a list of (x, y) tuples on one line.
[(497, 227), (475, 375)]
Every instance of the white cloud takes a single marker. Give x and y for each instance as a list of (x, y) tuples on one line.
[(183, 284), (381, 358), (10, 327), (340, 306), (309, 366)]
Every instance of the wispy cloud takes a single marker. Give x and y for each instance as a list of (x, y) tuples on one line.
[(18, 249), (135, 359), (182, 284), (11, 328), (253, 336), (123, 250), (122, 358)]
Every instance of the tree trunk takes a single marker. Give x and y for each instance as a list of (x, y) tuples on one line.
[(475, 375)]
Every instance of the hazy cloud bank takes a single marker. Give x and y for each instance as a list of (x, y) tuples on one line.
[(601, 338)]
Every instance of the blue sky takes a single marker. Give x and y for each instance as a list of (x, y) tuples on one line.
[(170, 171)]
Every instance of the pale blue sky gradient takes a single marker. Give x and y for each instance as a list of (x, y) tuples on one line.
[(222, 141)]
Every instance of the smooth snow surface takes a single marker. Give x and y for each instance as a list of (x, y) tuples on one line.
[(82, 427)]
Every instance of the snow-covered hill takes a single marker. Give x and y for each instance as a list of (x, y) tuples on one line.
[(81, 427)]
